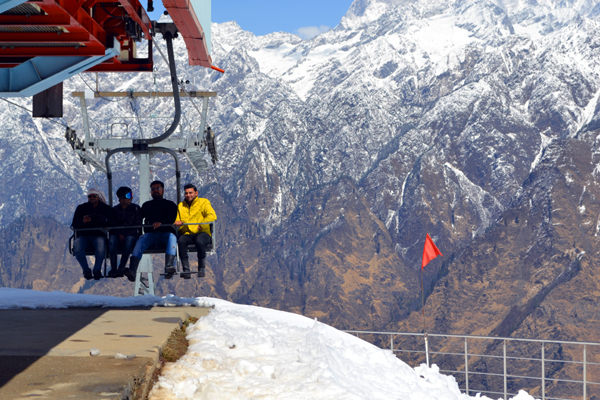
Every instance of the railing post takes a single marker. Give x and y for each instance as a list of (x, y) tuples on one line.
[(392, 343), (426, 350), (504, 359), (543, 373), (584, 372), (466, 366)]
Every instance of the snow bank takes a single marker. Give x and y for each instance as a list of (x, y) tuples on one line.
[(246, 352)]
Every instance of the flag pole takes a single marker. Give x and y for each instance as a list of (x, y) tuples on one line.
[(430, 251), (424, 326)]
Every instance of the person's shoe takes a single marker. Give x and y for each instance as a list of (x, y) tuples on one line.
[(112, 273), (185, 268), (97, 275), (169, 268), (130, 275), (201, 268), (185, 265), (132, 270), (119, 272), (88, 274)]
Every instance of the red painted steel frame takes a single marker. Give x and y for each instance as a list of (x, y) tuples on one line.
[(184, 17), (80, 28), (87, 28)]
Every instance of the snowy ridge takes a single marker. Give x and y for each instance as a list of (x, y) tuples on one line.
[(382, 104)]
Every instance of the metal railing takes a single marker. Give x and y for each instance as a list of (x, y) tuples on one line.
[(501, 365)]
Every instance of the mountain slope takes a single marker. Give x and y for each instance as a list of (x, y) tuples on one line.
[(338, 155)]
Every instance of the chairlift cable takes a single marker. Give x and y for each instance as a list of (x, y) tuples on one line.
[(98, 94), (137, 117), (156, 91), (187, 121), (216, 179), (106, 11), (192, 100), (93, 176), (20, 106), (157, 47)]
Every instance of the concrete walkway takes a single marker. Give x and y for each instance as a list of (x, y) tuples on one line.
[(46, 353)]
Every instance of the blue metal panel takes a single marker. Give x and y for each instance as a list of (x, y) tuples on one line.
[(203, 13), (6, 5), (41, 73)]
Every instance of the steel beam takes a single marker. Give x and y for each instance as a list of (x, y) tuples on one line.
[(41, 73), (6, 5), (184, 17)]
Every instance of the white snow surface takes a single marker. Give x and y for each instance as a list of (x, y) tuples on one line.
[(248, 352)]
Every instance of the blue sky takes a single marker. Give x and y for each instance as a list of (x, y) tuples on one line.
[(305, 17)]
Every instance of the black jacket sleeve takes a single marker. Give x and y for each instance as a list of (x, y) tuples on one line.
[(77, 222)]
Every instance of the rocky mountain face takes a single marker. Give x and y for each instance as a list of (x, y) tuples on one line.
[(473, 121)]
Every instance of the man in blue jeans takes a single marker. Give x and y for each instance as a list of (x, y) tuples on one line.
[(93, 214), (156, 212), (127, 214)]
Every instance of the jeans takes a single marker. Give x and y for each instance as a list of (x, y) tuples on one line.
[(160, 238), (82, 243), (127, 246), (200, 239)]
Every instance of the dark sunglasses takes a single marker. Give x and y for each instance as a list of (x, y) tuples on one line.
[(127, 196), (92, 196), (156, 188)]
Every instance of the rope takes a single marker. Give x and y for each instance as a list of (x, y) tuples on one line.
[(48, 119), (91, 88), (94, 176), (157, 47), (137, 117), (106, 11)]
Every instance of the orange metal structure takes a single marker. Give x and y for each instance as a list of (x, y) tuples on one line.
[(74, 28)]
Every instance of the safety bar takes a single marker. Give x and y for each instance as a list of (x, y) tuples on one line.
[(108, 228)]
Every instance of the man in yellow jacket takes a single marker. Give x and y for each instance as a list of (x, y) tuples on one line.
[(193, 210)]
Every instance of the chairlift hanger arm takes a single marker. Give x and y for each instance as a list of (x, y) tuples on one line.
[(168, 30)]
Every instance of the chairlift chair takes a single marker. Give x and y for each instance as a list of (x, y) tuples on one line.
[(90, 150)]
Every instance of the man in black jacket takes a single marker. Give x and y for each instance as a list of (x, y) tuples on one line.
[(156, 212), (93, 214), (127, 214)]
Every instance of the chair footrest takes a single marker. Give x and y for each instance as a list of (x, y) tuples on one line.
[(179, 273)]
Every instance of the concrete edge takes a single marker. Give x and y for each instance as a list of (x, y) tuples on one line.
[(144, 381), (140, 380)]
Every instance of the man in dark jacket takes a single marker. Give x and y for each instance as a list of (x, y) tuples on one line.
[(93, 214), (156, 212), (127, 214)]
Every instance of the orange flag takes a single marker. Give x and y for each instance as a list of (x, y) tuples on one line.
[(430, 251)]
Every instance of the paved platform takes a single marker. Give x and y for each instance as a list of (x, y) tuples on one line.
[(46, 353)]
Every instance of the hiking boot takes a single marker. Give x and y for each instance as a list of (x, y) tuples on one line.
[(97, 275), (185, 267), (87, 274), (112, 273), (169, 268), (132, 270), (119, 272), (201, 268)]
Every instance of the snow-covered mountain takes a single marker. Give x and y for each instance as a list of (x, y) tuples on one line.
[(339, 153)]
